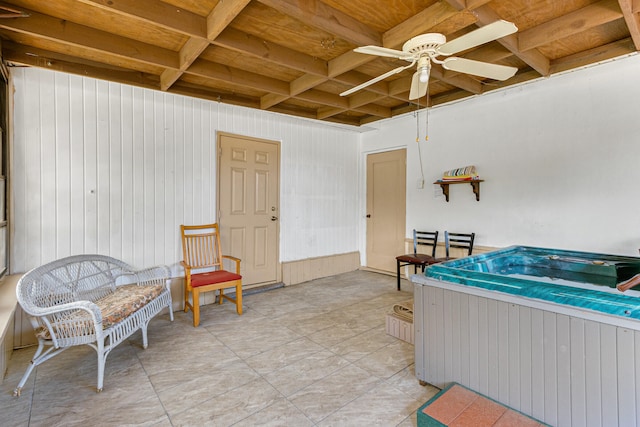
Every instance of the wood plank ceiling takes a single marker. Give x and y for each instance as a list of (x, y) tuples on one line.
[(296, 56)]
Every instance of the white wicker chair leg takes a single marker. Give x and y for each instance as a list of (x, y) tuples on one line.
[(145, 340), (38, 359), (32, 364), (102, 361)]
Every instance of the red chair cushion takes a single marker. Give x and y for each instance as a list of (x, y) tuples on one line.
[(212, 277)]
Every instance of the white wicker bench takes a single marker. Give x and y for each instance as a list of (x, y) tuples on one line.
[(90, 299)]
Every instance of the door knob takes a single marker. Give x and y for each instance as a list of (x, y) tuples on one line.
[(274, 218)]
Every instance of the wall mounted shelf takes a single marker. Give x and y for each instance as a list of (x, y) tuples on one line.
[(475, 184)]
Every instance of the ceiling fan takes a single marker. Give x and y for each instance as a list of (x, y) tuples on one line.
[(426, 48)]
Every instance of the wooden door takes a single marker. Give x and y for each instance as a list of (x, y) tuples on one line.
[(386, 210), (248, 189)]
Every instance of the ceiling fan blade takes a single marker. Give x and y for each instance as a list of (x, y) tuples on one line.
[(376, 79), (477, 37), (418, 89), (477, 68), (383, 51)]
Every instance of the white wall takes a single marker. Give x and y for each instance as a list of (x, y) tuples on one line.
[(103, 167), (560, 157), (106, 168)]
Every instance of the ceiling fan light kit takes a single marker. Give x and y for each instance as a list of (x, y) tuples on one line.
[(426, 48), (424, 75)]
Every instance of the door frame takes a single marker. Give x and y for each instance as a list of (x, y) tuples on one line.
[(363, 200), (278, 144)]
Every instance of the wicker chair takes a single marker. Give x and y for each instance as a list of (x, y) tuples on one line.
[(91, 300)]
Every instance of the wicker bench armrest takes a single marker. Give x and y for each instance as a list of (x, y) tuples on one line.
[(76, 319), (148, 276), (59, 310)]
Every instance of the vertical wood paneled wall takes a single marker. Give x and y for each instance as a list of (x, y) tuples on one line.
[(560, 369), (105, 168)]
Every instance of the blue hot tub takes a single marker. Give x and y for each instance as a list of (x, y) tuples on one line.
[(544, 331), (579, 279)]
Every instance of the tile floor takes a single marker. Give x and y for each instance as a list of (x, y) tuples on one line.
[(314, 354)]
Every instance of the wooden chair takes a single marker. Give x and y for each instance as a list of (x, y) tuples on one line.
[(457, 240), (424, 238), (204, 269)]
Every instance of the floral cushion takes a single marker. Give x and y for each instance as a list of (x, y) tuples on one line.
[(125, 301), (114, 308)]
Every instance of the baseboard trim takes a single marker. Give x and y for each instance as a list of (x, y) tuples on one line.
[(300, 271)]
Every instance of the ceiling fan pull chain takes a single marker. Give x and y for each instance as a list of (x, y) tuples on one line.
[(417, 122), (426, 108), (418, 141)]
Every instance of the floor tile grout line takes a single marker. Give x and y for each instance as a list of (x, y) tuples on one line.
[(362, 290)]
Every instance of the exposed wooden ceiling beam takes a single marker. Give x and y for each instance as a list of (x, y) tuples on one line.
[(361, 102), (365, 98), (189, 52), (240, 41), (237, 76), (11, 12), (200, 30), (60, 62), (25, 55), (462, 81), (486, 15), (400, 86), (72, 34), (631, 11), (327, 18), (591, 56), (420, 23), (222, 35), (271, 99), (474, 4), (299, 89), (335, 68), (354, 78), (532, 57), (221, 16), (197, 91), (492, 52), (325, 98), (157, 13), (326, 112), (340, 102), (588, 17), (347, 62), (374, 110), (297, 86), (304, 83)]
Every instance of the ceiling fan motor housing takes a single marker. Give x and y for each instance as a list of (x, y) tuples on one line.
[(425, 43)]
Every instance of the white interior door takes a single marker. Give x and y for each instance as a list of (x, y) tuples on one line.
[(386, 208), (248, 189)]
